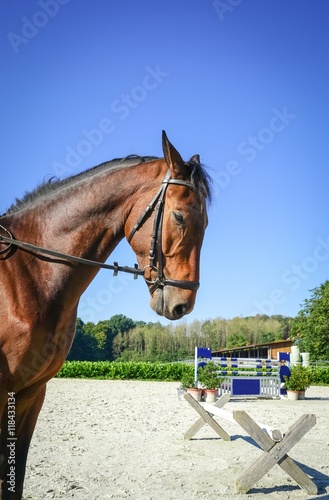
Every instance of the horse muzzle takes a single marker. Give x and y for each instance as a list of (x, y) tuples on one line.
[(172, 303)]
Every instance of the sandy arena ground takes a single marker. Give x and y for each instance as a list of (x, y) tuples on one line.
[(97, 440)]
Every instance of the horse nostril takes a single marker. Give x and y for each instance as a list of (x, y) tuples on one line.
[(179, 311)]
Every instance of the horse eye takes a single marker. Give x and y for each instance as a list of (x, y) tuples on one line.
[(178, 217)]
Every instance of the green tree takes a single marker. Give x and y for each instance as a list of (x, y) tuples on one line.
[(119, 326), (98, 333), (266, 337), (286, 324), (311, 326), (236, 340), (84, 345), (119, 323)]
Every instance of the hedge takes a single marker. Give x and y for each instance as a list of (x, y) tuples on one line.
[(320, 375), (130, 370), (142, 370)]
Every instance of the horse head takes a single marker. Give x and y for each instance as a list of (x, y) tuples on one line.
[(168, 236)]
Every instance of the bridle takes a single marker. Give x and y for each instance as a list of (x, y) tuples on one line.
[(157, 204)]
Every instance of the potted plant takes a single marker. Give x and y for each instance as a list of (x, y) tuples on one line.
[(210, 379), (299, 380), (188, 383)]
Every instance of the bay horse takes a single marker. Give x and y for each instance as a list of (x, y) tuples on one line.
[(52, 244)]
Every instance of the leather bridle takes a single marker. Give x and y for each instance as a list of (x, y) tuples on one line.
[(156, 204)]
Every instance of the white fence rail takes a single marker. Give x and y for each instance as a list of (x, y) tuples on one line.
[(249, 377)]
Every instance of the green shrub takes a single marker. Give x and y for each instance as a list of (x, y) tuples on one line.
[(130, 370), (187, 380), (320, 375), (299, 379), (209, 376), (140, 370)]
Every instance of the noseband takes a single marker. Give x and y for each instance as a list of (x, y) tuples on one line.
[(157, 204)]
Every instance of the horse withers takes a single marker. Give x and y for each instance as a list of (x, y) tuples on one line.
[(52, 244)]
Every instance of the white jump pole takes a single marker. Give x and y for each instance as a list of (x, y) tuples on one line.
[(195, 365), (275, 434)]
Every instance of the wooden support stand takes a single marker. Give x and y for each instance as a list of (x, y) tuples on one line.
[(206, 418), (272, 441)]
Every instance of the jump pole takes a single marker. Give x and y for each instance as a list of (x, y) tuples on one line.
[(275, 434), (195, 365)]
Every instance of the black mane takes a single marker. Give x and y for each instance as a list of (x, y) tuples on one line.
[(53, 184), (199, 178)]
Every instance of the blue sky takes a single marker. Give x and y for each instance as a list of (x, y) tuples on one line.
[(243, 83)]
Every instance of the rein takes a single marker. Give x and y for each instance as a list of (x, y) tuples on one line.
[(28, 246), (156, 204)]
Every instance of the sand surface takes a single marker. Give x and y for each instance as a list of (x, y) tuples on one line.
[(100, 439)]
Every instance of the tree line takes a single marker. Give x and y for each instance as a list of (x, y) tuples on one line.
[(121, 338)]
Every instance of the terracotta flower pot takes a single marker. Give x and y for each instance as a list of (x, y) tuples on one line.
[(292, 395), (210, 395), (195, 393)]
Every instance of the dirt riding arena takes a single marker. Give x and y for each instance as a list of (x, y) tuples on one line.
[(97, 440)]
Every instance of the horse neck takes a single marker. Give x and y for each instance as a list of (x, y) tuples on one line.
[(85, 218), (95, 213)]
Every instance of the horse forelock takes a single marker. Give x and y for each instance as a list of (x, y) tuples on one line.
[(201, 180)]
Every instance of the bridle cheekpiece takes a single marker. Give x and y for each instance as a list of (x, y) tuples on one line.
[(157, 205)]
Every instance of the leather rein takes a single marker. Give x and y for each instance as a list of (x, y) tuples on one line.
[(157, 204)]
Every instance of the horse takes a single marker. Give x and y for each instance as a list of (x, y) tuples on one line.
[(54, 240)]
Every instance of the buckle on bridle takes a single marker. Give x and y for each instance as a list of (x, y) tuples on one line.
[(4, 240), (152, 268)]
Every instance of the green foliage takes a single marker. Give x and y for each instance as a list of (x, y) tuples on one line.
[(300, 378), (187, 377), (209, 376), (124, 371), (95, 342), (266, 337), (320, 375), (154, 371), (311, 326), (123, 339), (84, 345), (236, 339)]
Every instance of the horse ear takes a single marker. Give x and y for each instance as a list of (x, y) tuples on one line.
[(172, 156), (195, 159)]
